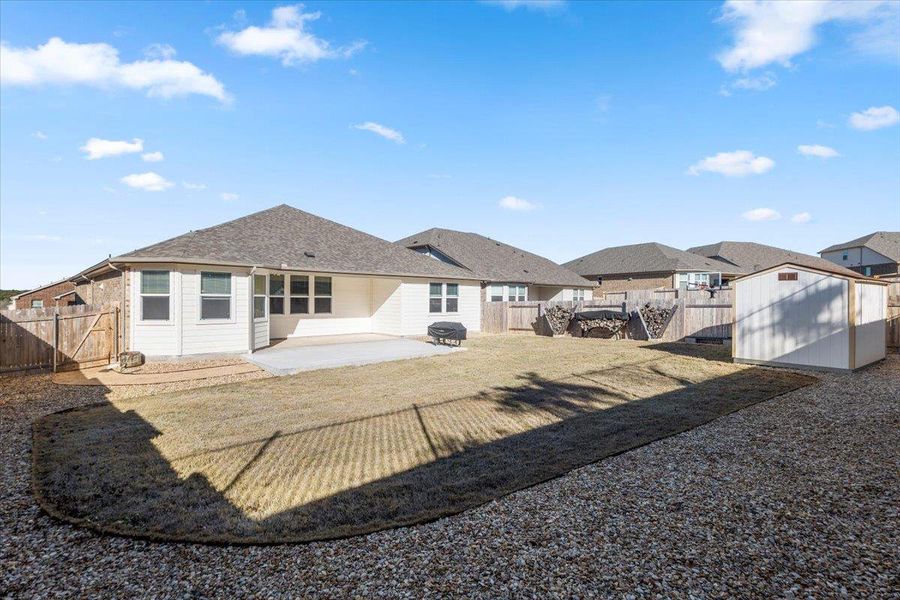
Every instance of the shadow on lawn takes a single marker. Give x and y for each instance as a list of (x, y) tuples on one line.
[(98, 467)]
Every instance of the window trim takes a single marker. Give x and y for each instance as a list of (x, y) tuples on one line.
[(41, 305), (200, 295), (491, 288), (283, 295), (316, 296), (140, 296), (264, 295), (443, 297), (289, 295)]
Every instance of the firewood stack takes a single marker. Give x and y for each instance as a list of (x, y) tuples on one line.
[(558, 318), (602, 328), (656, 318)]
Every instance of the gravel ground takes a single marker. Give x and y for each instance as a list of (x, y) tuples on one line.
[(795, 497)]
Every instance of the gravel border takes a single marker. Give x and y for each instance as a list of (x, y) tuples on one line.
[(793, 497)]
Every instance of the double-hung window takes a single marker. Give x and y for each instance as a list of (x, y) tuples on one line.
[(299, 294), (259, 296), (452, 299), (435, 297), (154, 295), (517, 293), (276, 294), (215, 295), (496, 292), (578, 295), (322, 290), (37, 304)]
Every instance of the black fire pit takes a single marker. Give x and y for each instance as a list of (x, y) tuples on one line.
[(445, 331)]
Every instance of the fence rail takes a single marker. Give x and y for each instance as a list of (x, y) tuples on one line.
[(60, 338)]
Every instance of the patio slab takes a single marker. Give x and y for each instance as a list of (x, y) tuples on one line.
[(285, 359)]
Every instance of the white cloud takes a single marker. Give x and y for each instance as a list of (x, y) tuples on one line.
[(193, 186), (761, 214), (513, 203), (286, 38), (803, 217), (772, 31), (159, 52), (875, 117), (379, 129), (152, 156), (759, 83), (733, 164), (229, 197), (817, 150), (39, 135), (60, 63), (149, 182), (96, 148), (545, 5)]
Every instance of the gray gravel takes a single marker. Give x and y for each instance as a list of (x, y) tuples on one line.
[(796, 497)]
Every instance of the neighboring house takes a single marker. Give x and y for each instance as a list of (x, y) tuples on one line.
[(279, 273), (507, 273), (649, 266), (874, 254), (58, 293), (752, 257)]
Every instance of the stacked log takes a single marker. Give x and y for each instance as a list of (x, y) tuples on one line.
[(558, 318), (656, 318), (602, 328)]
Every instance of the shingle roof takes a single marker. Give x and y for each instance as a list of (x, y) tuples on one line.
[(755, 257), (289, 238), (491, 260), (886, 243), (651, 257)]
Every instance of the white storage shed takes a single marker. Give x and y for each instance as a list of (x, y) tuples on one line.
[(799, 316)]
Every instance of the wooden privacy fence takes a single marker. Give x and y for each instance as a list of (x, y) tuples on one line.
[(67, 337), (893, 315), (504, 317)]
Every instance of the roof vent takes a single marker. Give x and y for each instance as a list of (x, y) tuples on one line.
[(309, 254), (284, 266)]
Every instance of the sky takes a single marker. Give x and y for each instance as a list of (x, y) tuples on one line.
[(561, 128)]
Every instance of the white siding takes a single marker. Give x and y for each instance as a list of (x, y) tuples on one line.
[(870, 323), (156, 338), (260, 334), (803, 322), (351, 311), (387, 306), (201, 336), (415, 317)]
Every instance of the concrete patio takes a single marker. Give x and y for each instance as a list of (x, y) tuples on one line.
[(294, 355)]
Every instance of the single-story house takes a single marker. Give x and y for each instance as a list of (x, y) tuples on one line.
[(874, 254), (507, 273), (279, 273), (58, 293), (753, 257), (798, 316), (649, 266)]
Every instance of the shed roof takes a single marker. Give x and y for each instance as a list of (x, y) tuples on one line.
[(834, 269), (753, 257), (284, 237), (651, 257), (491, 260), (886, 243)]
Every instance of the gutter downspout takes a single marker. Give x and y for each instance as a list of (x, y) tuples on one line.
[(92, 286), (251, 334)]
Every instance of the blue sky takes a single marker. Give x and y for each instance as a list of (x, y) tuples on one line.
[(562, 128)]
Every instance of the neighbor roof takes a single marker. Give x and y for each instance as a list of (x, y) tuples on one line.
[(754, 257), (37, 289), (288, 238), (886, 243), (651, 257), (491, 260)]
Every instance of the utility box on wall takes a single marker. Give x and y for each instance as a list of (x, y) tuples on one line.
[(797, 316)]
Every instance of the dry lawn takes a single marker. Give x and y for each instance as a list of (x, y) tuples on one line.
[(346, 451)]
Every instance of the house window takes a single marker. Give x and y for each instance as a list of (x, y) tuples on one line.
[(517, 293), (496, 293), (844, 256), (154, 295), (452, 301), (323, 295), (37, 304), (215, 295), (435, 297), (868, 271), (276, 294), (259, 296), (299, 294), (578, 295)]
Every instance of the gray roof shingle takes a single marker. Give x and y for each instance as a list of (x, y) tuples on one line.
[(289, 238), (755, 257), (651, 257), (491, 260), (886, 243)]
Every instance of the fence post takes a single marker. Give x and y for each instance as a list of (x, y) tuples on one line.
[(116, 332), (55, 338)]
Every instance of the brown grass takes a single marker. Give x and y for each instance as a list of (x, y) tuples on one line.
[(346, 451)]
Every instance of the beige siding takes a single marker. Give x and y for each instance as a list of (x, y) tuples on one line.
[(871, 302), (803, 322), (351, 311), (386, 306), (415, 315)]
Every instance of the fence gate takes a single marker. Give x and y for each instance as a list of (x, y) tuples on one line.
[(67, 337)]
